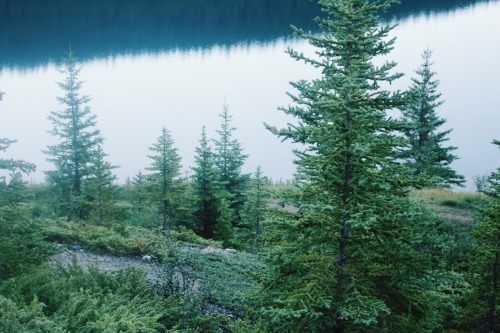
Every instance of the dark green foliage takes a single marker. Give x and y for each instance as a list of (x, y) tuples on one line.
[(255, 210), (358, 256), (219, 279), (22, 245), (425, 154), (73, 154), (483, 272), (205, 187), (100, 189), (72, 301), (164, 185), (229, 159), (141, 212), (25, 318), (223, 229), (113, 239)]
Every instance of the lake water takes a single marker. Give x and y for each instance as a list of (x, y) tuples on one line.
[(176, 66)]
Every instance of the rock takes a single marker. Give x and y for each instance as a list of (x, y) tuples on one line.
[(230, 251), (208, 249), (147, 258), (76, 247)]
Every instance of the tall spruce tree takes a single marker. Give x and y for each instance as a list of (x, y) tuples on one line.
[(205, 186), (164, 181), (358, 256), (426, 154), (100, 187), (229, 159), (78, 139), (483, 273)]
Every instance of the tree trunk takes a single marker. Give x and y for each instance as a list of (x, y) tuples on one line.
[(165, 224)]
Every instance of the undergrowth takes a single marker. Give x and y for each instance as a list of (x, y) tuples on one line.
[(118, 239)]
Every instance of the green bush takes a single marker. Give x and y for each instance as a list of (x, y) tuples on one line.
[(114, 239), (22, 247), (30, 318)]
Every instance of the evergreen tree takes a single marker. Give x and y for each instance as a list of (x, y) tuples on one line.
[(256, 207), (229, 159), (205, 186), (483, 274), (78, 139), (100, 187), (223, 229), (164, 182), (358, 256), (142, 212), (425, 154)]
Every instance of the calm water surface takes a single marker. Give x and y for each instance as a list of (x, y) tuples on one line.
[(184, 86)]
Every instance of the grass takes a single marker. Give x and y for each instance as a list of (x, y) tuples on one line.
[(445, 197), (456, 207)]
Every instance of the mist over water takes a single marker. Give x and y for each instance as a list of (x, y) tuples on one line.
[(180, 77)]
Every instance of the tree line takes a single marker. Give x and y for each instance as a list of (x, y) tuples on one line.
[(358, 254)]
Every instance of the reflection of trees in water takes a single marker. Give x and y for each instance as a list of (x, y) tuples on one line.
[(35, 32), (412, 7)]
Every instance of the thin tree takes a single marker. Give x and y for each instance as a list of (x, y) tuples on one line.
[(164, 179), (256, 206), (78, 138), (205, 186), (358, 256), (426, 154), (100, 187), (229, 159)]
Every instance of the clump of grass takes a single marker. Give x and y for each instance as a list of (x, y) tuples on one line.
[(449, 198)]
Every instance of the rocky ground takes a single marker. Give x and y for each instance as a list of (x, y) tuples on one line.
[(105, 262), (111, 263)]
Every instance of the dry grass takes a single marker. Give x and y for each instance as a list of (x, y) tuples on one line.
[(444, 197), (456, 207)]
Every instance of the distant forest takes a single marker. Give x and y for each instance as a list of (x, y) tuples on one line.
[(33, 33)]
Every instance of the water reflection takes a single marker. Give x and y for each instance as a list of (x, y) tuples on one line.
[(136, 92), (34, 33)]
